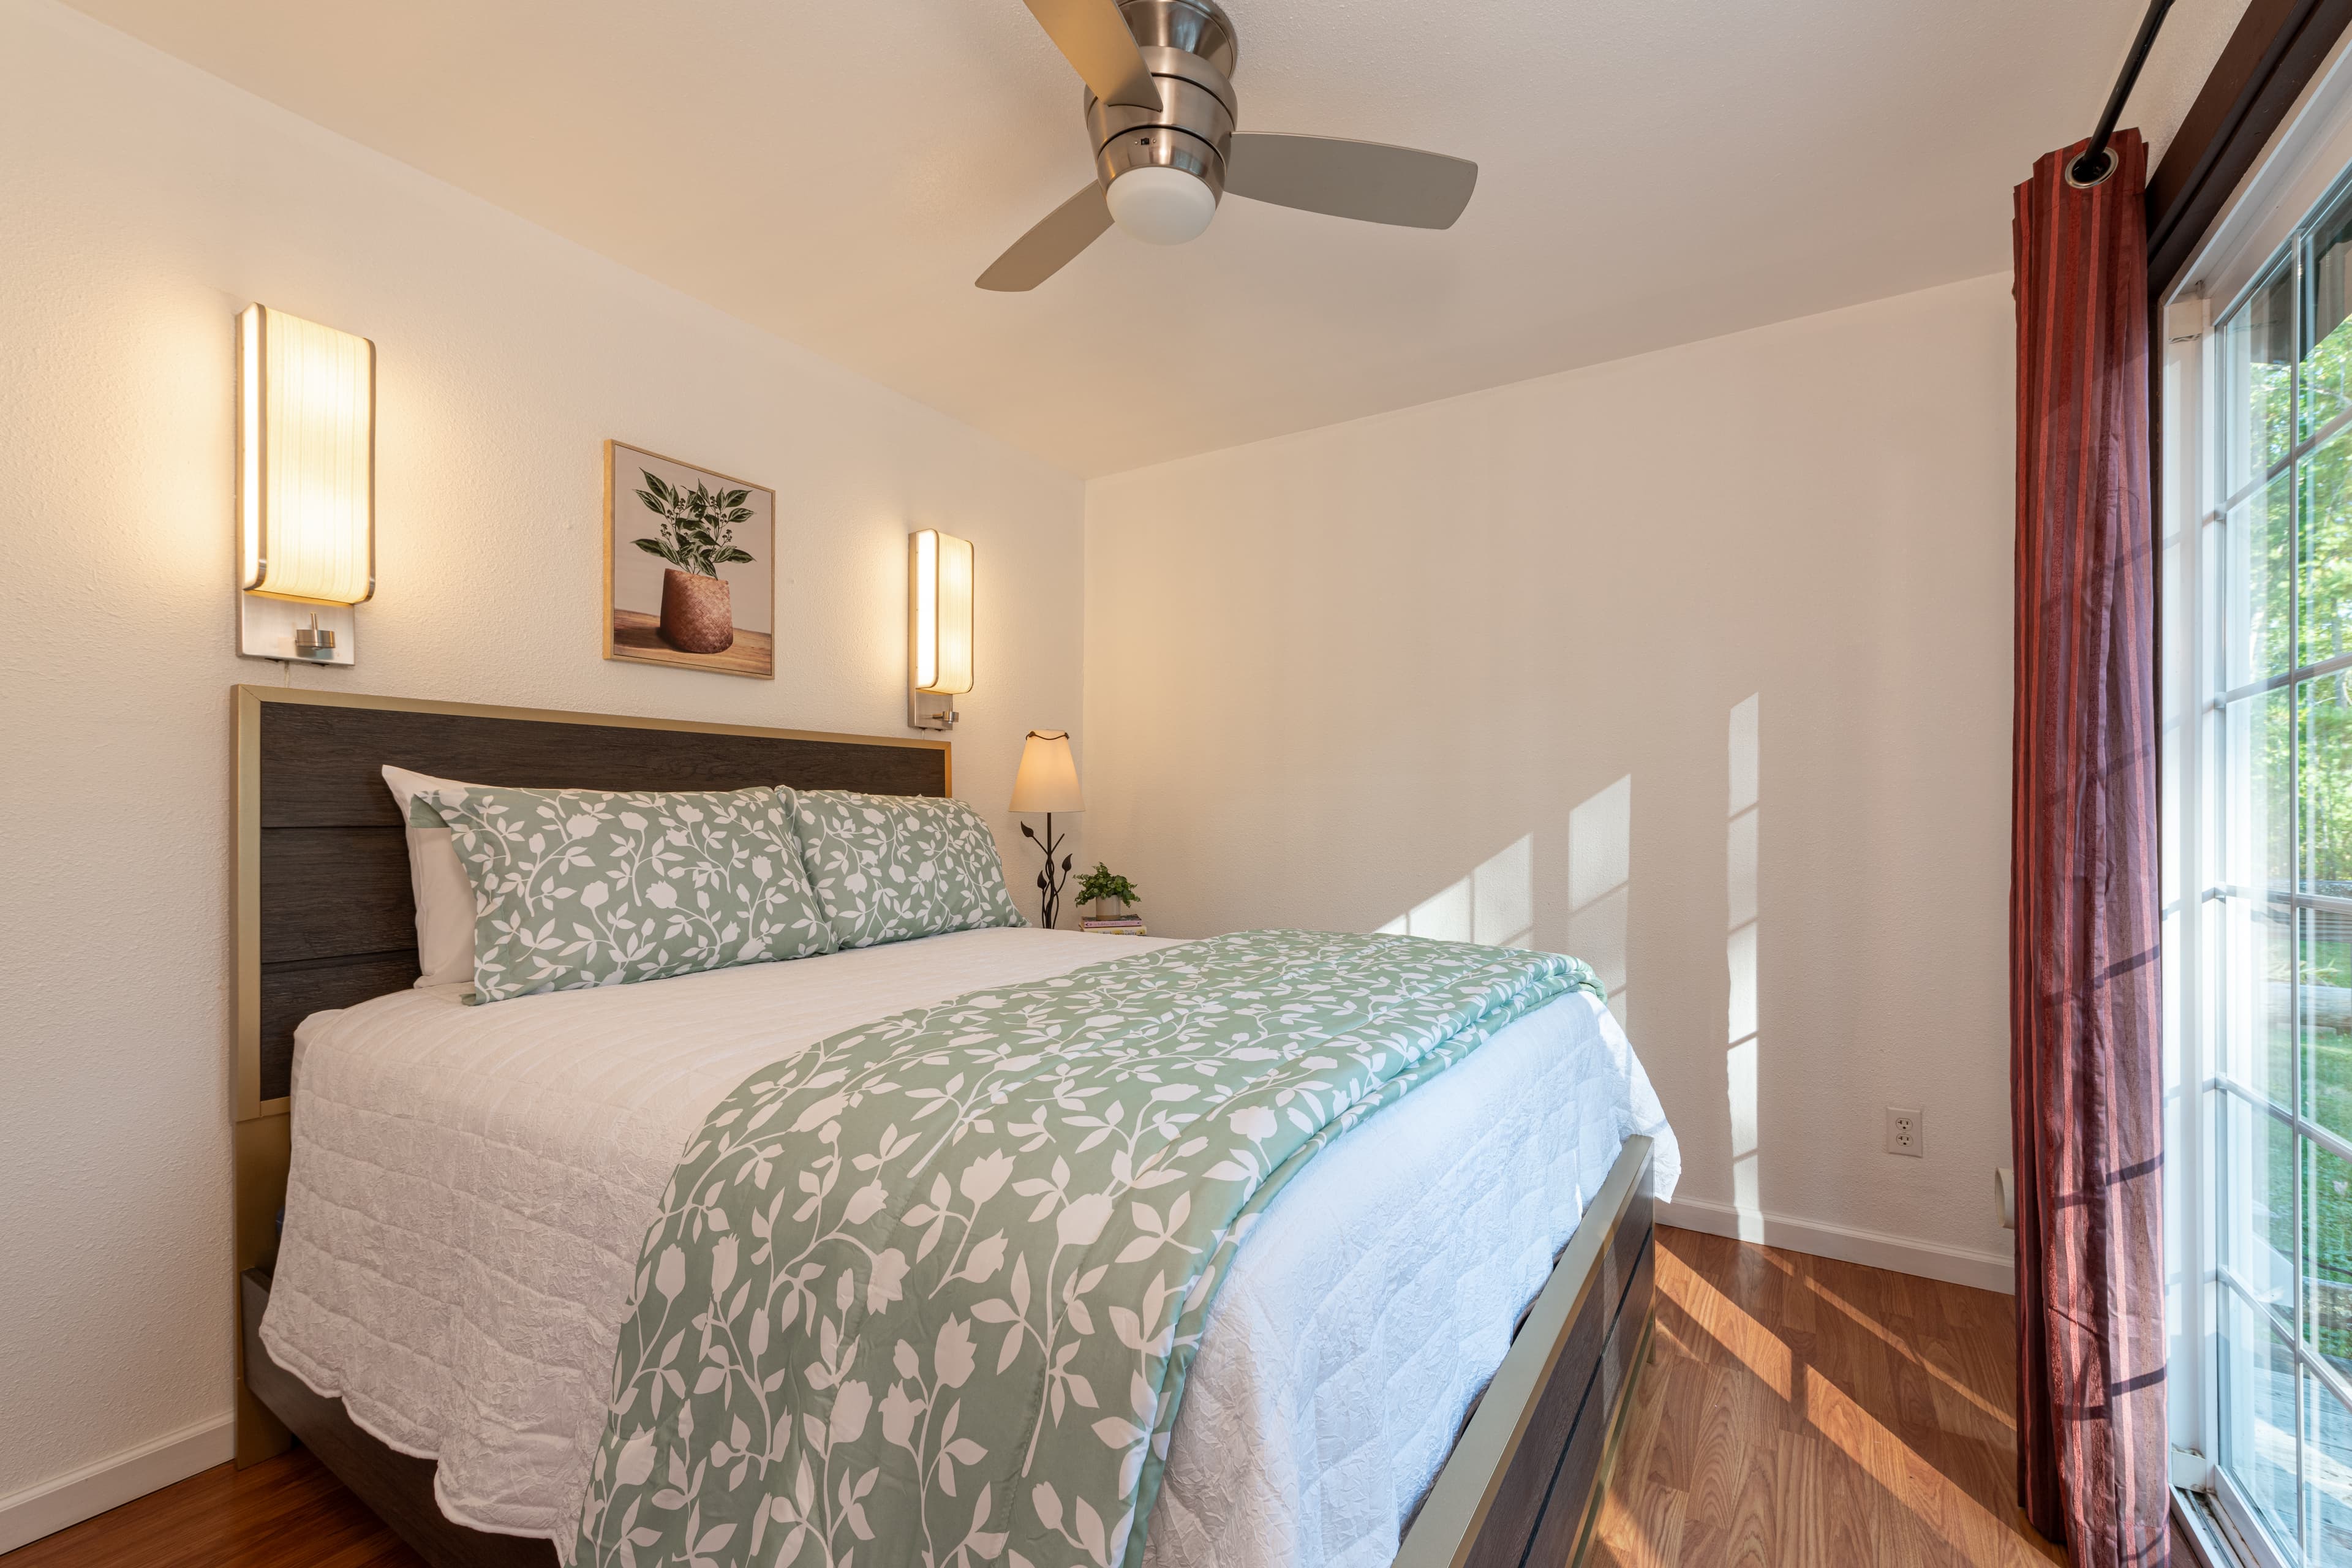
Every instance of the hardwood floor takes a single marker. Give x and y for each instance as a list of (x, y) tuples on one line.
[(285, 1512), (1797, 1412)]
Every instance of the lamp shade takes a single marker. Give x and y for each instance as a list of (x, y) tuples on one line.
[(1048, 779), (306, 459), (940, 593)]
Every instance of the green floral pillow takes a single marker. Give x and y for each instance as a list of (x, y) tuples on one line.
[(577, 888), (888, 867)]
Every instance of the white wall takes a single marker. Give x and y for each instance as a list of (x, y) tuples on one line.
[(1696, 664), (142, 203)]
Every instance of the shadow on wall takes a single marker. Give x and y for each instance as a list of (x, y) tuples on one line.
[(1740, 951)]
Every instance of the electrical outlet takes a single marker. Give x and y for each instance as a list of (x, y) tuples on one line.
[(1906, 1131)]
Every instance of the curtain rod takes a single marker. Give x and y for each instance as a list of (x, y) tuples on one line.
[(2099, 160)]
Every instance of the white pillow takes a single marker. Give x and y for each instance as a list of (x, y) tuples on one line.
[(445, 899)]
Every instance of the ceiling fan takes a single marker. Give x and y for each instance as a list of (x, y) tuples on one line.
[(1160, 112)]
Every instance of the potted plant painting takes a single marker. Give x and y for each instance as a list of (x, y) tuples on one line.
[(697, 537)]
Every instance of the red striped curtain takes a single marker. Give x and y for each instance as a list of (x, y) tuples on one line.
[(2086, 1080)]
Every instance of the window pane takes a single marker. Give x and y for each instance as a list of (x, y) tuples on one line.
[(2258, 1228), (2328, 1474), (2258, 997), (2274, 1073), (2256, 546), (2325, 390), (2258, 1427), (2327, 1272), (2327, 1002), (2258, 849), (2257, 346), (2327, 947), (2257, 1033), (2327, 546)]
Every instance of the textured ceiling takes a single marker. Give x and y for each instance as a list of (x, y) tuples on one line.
[(1651, 173)]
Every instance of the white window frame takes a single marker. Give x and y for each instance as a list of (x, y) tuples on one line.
[(2307, 158)]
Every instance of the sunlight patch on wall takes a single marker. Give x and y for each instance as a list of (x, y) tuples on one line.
[(1502, 895), (1494, 904), (1444, 914), (1742, 1060), (1601, 887)]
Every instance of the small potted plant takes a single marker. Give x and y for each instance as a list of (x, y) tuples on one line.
[(1100, 887), (697, 537)]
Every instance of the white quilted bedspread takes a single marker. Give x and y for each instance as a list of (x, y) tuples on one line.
[(470, 1184)]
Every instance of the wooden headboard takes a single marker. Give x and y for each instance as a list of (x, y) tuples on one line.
[(324, 914)]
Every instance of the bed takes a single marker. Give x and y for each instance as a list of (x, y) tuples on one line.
[(1420, 1357)]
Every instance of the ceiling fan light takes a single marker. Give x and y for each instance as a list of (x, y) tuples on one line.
[(1161, 205)]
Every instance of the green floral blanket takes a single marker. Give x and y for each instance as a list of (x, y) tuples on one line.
[(926, 1292)]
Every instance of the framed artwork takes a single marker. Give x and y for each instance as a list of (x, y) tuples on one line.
[(690, 565)]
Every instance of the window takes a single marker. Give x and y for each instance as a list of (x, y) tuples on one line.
[(2272, 951)]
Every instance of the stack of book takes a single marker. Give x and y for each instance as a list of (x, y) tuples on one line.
[(1117, 925)]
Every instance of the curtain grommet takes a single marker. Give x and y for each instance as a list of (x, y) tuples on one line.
[(2106, 168)]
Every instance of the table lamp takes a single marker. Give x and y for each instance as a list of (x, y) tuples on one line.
[(1048, 783)]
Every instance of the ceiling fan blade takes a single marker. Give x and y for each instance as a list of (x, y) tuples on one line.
[(1053, 245), (1093, 36), (1363, 180)]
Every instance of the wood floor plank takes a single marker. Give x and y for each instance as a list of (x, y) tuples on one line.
[(1849, 1496), (1672, 1451), (1801, 1533), (1753, 1540), (1704, 1543), (1718, 1443)]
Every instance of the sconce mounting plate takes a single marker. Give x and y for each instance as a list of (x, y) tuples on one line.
[(268, 626), (930, 710)]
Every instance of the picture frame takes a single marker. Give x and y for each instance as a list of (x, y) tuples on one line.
[(690, 565)]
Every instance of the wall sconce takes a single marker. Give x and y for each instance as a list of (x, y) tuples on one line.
[(938, 626), (305, 486)]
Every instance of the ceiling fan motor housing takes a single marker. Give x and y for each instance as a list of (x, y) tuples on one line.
[(1190, 47), (1161, 109)]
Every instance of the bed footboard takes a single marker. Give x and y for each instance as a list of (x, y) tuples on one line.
[(1525, 1480)]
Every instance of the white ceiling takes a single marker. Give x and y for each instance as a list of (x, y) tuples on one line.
[(838, 172)]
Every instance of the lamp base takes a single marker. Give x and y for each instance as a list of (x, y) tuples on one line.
[(268, 627), (1053, 878)]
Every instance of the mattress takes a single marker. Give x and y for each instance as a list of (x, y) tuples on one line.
[(469, 1187)]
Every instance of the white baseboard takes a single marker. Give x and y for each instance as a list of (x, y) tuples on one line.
[(50, 1507), (1927, 1259)]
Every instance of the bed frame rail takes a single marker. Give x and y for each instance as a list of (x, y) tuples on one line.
[(1525, 1480)]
